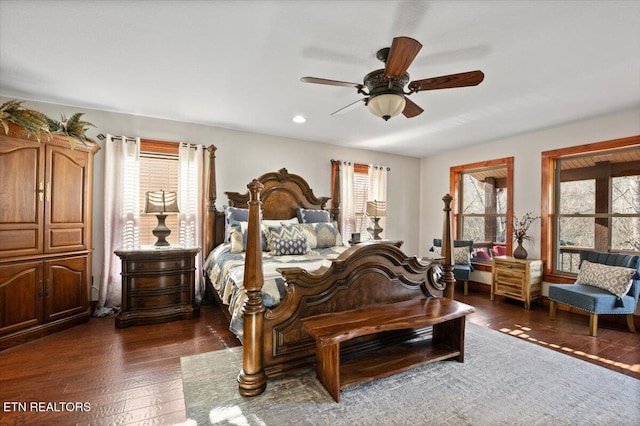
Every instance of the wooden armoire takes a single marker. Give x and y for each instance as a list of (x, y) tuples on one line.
[(45, 235)]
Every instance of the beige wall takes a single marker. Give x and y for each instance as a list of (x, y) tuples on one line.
[(526, 150), (242, 156), (415, 186)]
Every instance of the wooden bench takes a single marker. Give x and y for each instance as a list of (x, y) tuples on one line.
[(447, 317)]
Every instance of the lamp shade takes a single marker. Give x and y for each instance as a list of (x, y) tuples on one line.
[(161, 202), (376, 208), (386, 105)]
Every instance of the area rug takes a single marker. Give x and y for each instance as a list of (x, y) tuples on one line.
[(503, 381)]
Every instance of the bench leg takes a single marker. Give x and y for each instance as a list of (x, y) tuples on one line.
[(328, 368), (593, 324), (630, 324), (552, 309)]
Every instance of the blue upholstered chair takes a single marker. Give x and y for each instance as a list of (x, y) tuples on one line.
[(596, 300), (461, 271)]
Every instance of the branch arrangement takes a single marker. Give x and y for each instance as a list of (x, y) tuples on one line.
[(521, 226)]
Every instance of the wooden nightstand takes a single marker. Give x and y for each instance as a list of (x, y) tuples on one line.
[(517, 279), (158, 285)]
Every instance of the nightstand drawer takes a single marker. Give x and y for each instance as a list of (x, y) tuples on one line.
[(506, 266), (158, 265), (159, 301), (142, 282)]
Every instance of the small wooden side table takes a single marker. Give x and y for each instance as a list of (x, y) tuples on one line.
[(158, 285), (519, 279)]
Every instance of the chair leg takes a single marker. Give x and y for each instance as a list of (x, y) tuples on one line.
[(593, 324), (632, 326), (466, 287), (552, 309)]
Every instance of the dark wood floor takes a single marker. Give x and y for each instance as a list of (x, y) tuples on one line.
[(132, 376)]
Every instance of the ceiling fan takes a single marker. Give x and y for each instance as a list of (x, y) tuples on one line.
[(385, 94)]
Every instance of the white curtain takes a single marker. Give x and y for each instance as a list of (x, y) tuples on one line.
[(190, 197), (121, 215), (378, 187), (348, 217)]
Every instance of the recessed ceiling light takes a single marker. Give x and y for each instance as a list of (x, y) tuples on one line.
[(299, 119)]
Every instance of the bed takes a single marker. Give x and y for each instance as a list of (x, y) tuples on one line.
[(343, 278)]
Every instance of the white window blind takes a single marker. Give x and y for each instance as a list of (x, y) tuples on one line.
[(157, 172), (360, 197)]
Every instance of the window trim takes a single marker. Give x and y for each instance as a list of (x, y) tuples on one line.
[(547, 205), (455, 173)]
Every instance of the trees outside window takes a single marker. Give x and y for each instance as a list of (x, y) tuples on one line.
[(482, 205), (591, 200)]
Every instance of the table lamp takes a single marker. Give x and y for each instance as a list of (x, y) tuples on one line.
[(160, 203), (376, 210)]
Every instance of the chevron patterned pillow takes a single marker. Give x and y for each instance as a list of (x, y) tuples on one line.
[(285, 232)]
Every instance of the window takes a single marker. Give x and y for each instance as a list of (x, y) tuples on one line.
[(482, 206), (353, 186), (360, 198), (159, 167), (591, 200)]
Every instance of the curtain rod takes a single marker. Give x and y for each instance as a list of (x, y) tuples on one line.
[(349, 162), (128, 139)]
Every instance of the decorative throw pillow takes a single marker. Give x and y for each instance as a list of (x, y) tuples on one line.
[(286, 246), (312, 216), (614, 279), (286, 232), (461, 255), (238, 236), (280, 222), (233, 214), (327, 235), (237, 239), (309, 232)]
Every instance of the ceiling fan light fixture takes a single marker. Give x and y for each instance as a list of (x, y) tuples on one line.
[(386, 105)]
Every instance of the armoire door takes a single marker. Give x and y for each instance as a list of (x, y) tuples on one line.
[(22, 190), (66, 194), (21, 295), (66, 287)]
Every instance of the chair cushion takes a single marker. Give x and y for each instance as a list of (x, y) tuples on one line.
[(462, 272), (589, 298), (615, 279)]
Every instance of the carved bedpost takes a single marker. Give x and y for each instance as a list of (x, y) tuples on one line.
[(447, 249), (252, 379), (335, 191), (210, 202)]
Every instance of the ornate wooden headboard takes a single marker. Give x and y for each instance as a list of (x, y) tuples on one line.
[(283, 192)]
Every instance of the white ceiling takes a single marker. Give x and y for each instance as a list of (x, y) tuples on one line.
[(237, 64)]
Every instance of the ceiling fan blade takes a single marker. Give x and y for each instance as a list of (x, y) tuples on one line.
[(464, 79), (330, 82), (349, 107), (403, 51), (411, 109)]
